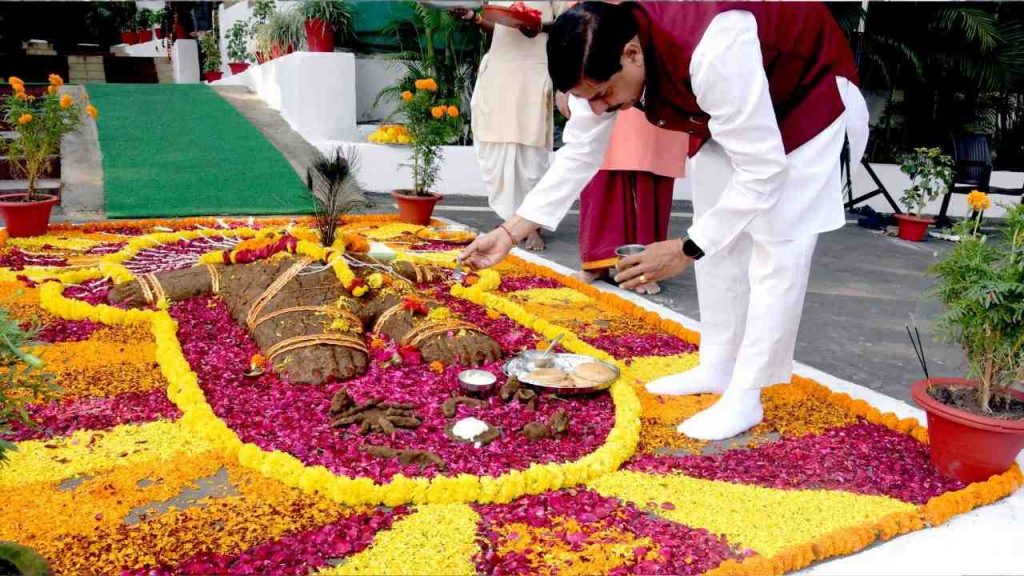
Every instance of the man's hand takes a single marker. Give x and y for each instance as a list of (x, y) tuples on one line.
[(487, 250), (657, 262)]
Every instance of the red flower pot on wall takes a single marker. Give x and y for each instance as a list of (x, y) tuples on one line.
[(159, 33), (415, 209), (319, 36), (912, 228), (145, 35), (276, 51), (129, 37), (238, 67), (213, 76), (966, 446), (26, 218)]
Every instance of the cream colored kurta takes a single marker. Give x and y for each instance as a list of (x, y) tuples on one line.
[(512, 102)]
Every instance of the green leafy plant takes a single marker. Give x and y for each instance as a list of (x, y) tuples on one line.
[(144, 19), (22, 377), (158, 17), (432, 121), (931, 174), (981, 285), (337, 12), (210, 48), (40, 122), (284, 29), (262, 10), (22, 560), (238, 39)]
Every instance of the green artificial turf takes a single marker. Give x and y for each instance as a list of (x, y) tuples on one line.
[(182, 150)]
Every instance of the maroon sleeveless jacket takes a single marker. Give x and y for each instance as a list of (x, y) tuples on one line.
[(803, 50)]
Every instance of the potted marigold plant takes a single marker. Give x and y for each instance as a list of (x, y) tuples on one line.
[(238, 37), (40, 123), (931, 173), (210, 48), (431, 122), (976, 426)]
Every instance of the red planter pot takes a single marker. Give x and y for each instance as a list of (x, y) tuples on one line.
[(213, 76), (159, 32), (129, 37), (276, 51), (261, 58), (24, 219), (179, 31), (966, 446), (238, 67), (145, 35), (415, 209), (319, 36), (912, 228)]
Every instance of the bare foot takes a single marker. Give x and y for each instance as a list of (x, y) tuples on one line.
[(650, 288), (534, 242), (587, 276)]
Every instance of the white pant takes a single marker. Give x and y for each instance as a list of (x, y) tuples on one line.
[(510, 171), (752, 291)]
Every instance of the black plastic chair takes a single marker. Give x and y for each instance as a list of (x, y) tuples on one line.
[(972, 170)]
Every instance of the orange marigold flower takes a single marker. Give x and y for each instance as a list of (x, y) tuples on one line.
[(258, 361), (356, 243), (437, 111), (377, 343), (406, 95), (24, 119), (978, 201), (66, 101), (436, 367), (51, 89), (453, 111), (427, 84), (15, 81), (56, 80), (92, 111), (21, 96)]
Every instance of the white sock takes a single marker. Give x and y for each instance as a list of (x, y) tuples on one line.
[(692, 381), (736, 412)]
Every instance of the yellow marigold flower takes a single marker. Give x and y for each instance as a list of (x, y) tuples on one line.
[(404, 139), (427, 84), (437, 111), (56, 80), (65, 101), (359, 291), (978, 201), (375, 280), (453, 111), (440, 314), (406, 95), (24, 119), (92, 111)]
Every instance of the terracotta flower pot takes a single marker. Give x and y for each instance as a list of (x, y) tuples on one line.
[(145, 35), (415, 209), (968, 447), (319, 36), (212, 76), (24, 219), (238, 67), (129, 37), (912, 228)]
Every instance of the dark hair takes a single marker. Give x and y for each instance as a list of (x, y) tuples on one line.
[(587, 41)]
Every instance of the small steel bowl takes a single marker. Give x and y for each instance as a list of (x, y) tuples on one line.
[(534, 359), (627, 250), (477, 381)]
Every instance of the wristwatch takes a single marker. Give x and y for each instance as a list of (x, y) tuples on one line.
[(691, 250)]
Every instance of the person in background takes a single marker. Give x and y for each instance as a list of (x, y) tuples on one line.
[(512, 112), (630, 200)]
